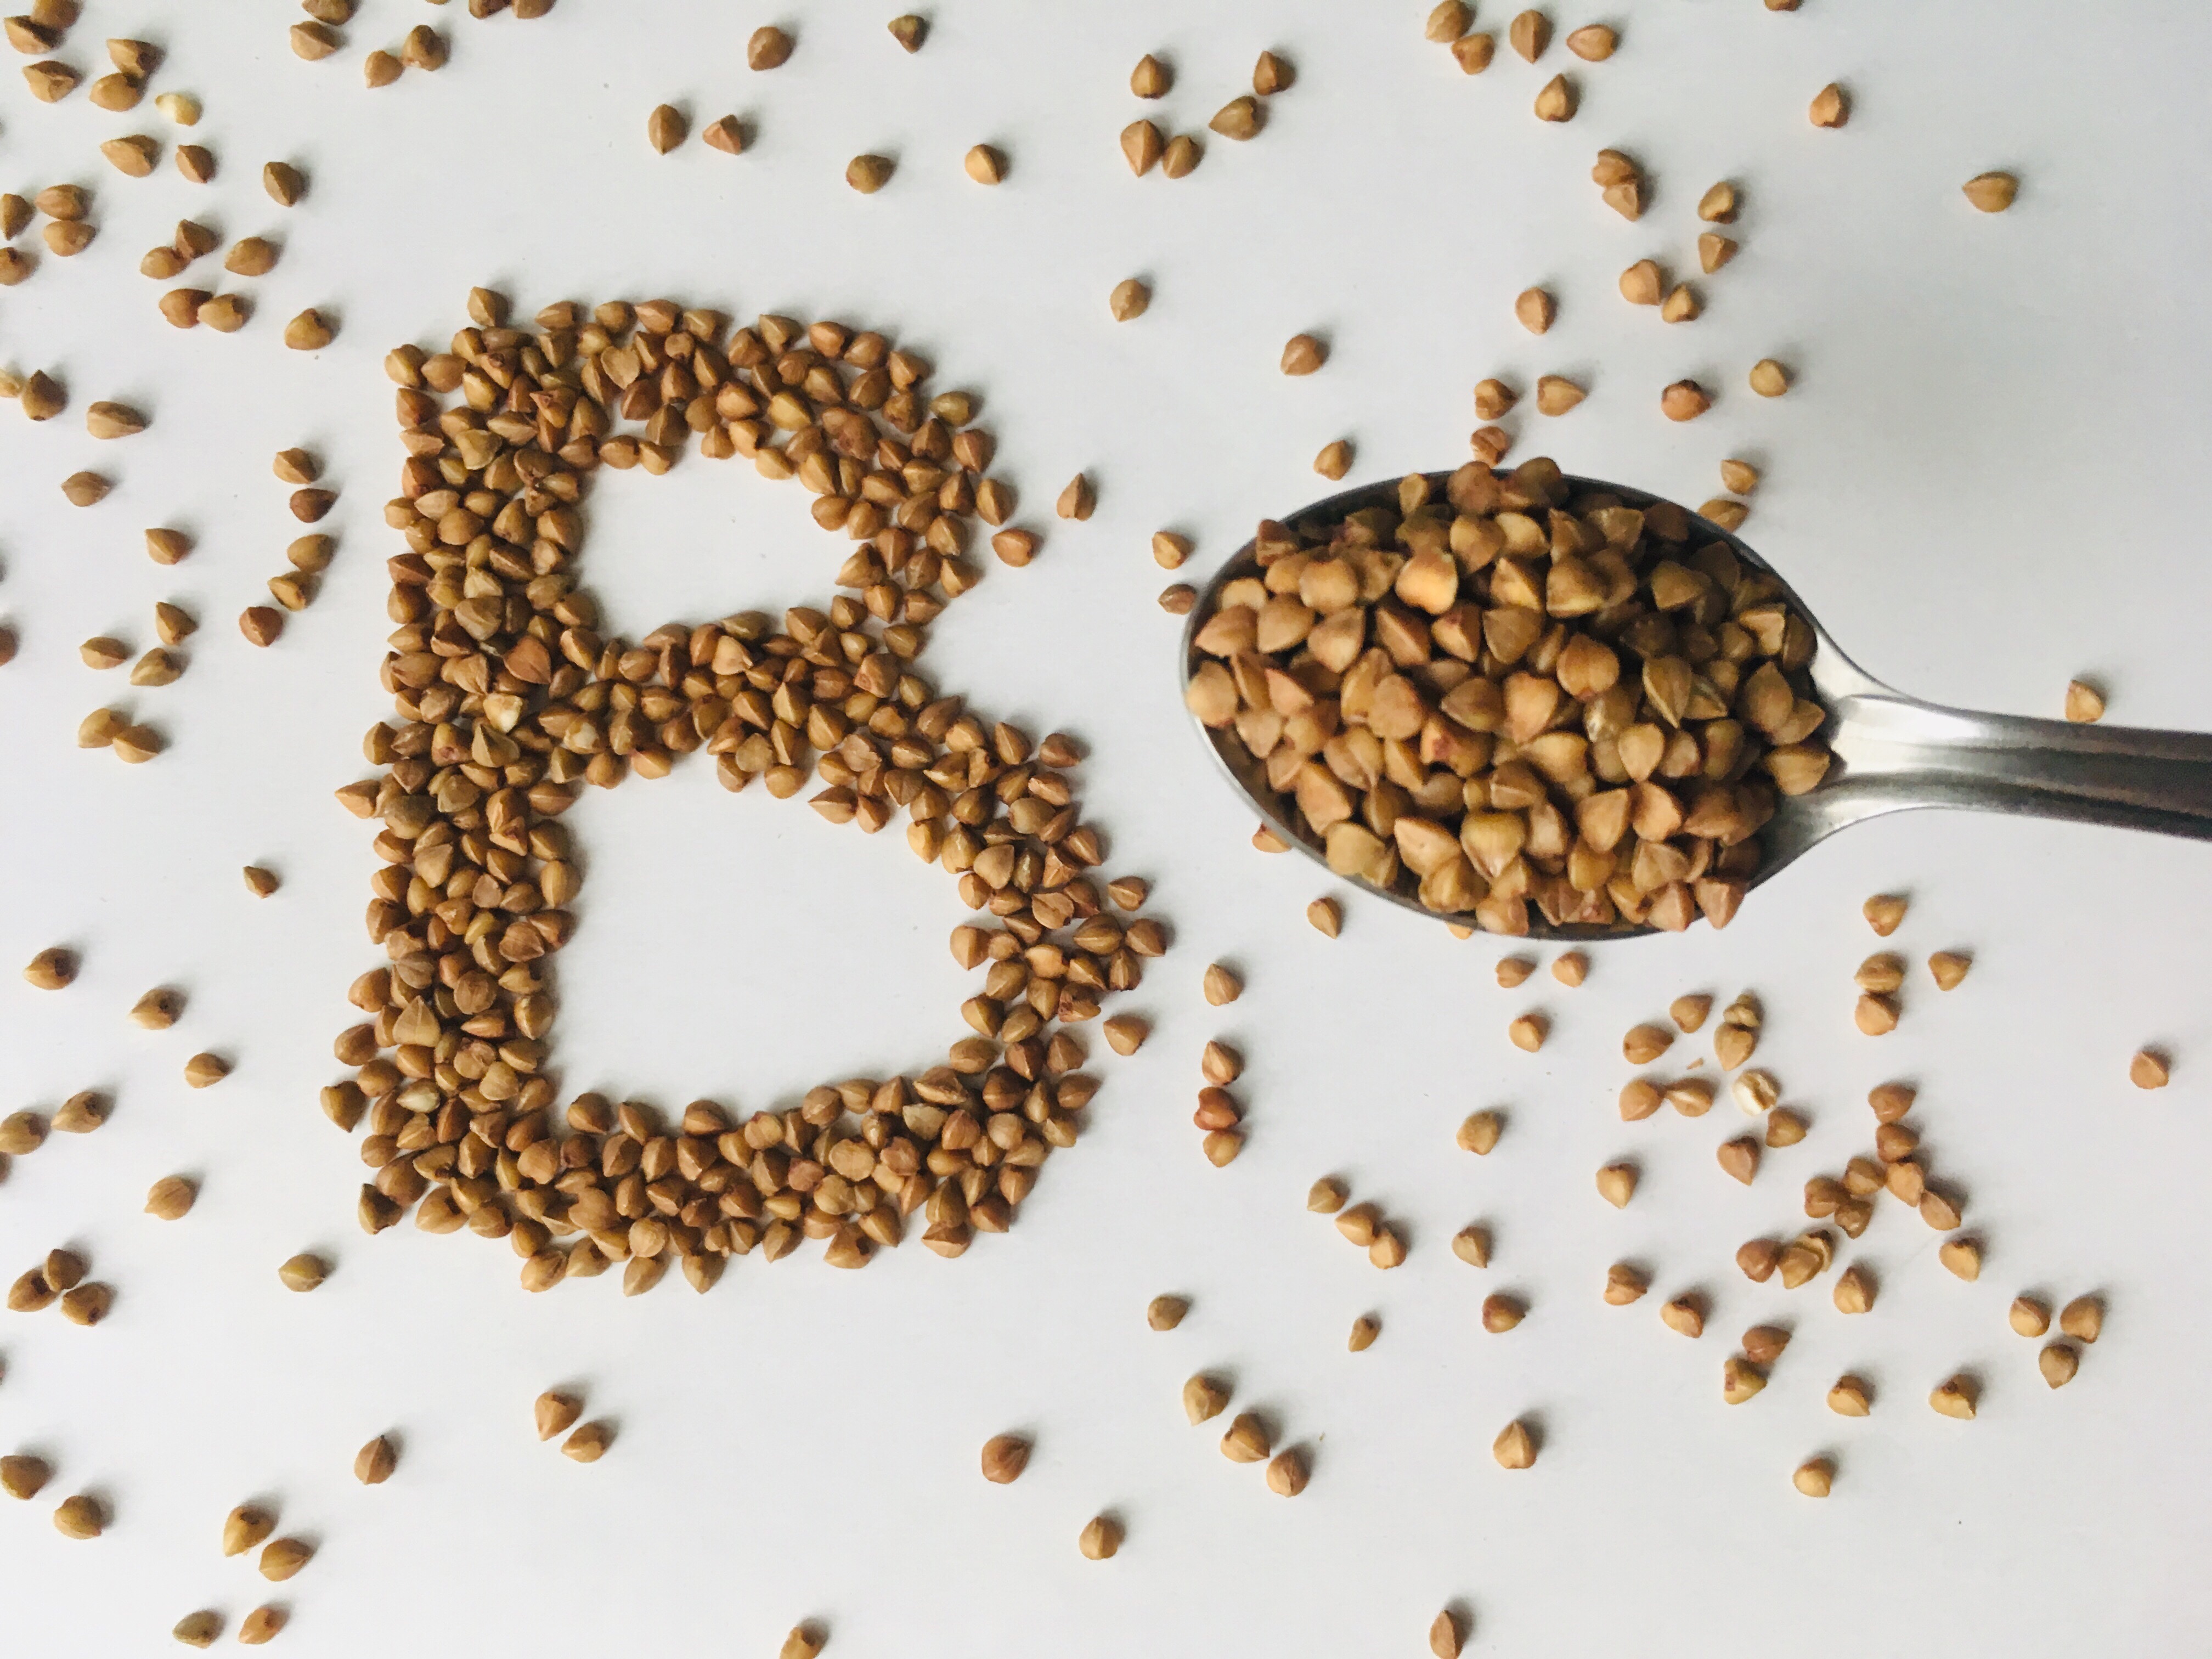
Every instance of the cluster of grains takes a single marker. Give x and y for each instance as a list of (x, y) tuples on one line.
[(24, 1477), (1500, 1312), (249, 257), (1880, 977), (1363, 1223), (42, 29), (1726, 511), (1527, 1032), (1003, 1458), (466, 1068), (1895, 1169), (1170, 552), (1250, 1437), (199, 1629), (69, 230), (1503, 692), (23, 1132), (103, 420), (556, 1413), (769, 48), (60, 1281), (1756, 1092), (1625, 188), (2082, 1319), (161, 664), (1897, 1166), (1529, 35), (1219, 1115), (190, 307), (1626, 191), (1143, 146), (1647, 284), (422, 48), (1626, 1284), (247, 1529), (510, 699), (1438, 692), (668, 128), (308, 556)]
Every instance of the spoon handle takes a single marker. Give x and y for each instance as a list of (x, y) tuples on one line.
[(1902, 752)]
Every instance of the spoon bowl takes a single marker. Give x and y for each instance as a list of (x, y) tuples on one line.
[(1892, 753)]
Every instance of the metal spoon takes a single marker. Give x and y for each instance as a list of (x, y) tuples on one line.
[(1891, 752)]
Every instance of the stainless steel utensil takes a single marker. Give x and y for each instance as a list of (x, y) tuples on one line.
[(1891, 752)]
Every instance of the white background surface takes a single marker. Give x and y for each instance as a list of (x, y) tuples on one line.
[(1986, 482)]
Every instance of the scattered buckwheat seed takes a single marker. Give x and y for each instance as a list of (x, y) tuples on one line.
[(1956, 1398), (1814, 1478), (1593, 43), (373, 1463), (1514, 1447), (2082, 1319), (1616, 1184), (1130, 298), (769, 48), (1005, 1457), (1303, 354), (1992, 192)]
